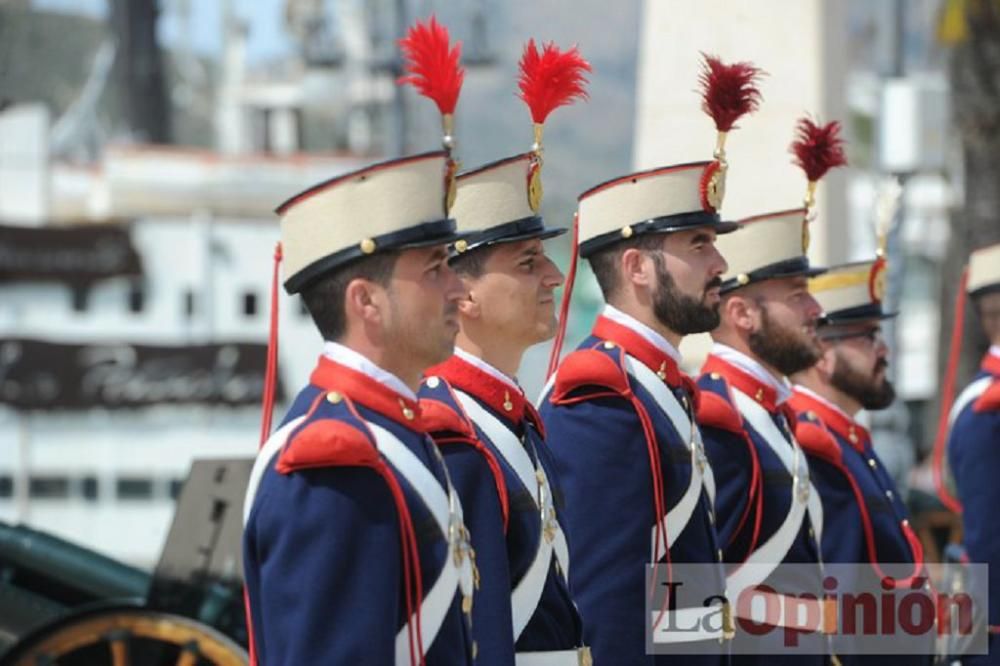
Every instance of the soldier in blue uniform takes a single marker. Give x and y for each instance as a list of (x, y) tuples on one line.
[(355, 551), (619, 414), (490, 434), (974, 443), (865, 520), (769, 512)]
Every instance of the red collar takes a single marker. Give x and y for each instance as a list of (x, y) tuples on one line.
[(651, 356), (362, 389), (498, 395), (834, 419), (991, 364), (748, 384)]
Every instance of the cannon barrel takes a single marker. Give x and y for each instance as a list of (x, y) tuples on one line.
[(64, 572)]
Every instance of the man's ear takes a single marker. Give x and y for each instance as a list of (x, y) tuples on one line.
[(827, 362), (742, 313), (469, 305), (636, 268), (364, 301)]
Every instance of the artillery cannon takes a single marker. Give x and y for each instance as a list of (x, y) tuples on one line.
[(61, 604)]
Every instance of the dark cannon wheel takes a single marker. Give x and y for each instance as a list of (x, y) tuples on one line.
[(125, 636)]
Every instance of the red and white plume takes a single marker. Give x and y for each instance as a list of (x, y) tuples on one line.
[(550, 79), (728, 92), (432, 67), (817, 148)]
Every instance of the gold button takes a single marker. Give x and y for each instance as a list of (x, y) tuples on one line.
[(507, 404), (872, 463), (368, 246), (626, 232), (811, 415), (759, 395), (433, 382), (853, 436), (407, 412), (743, 279), (888, 494), (461, 245), (333, 397), (467, 604), (715, 376), (608, 344)]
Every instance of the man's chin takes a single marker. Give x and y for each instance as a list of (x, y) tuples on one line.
[(546, 330)]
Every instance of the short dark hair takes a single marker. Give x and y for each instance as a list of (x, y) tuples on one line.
[(604, 263), (472, 263), (324, 298)]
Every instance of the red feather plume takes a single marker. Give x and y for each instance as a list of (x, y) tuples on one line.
[(551, 79), (817, 148), (432, 65), (729, 92)]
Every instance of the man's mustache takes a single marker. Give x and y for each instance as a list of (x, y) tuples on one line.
[(714, 283)]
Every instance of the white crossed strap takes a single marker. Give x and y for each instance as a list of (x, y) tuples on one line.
[(971, 392), (805, 500), (444, 505), (527, 592), (677, 518), (271, 447)]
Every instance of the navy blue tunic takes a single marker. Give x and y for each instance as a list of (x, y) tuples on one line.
[(864, 519), (500, 511), (602, 457), (754, 490), (974, 457), (322, 543)]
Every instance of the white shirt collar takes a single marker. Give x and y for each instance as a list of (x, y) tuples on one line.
[(995, 350), (651, 336), (754, 368), (477, 362), (816, 396), (338, 353)]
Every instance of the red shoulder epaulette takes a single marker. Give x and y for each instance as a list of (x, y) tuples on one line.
[(327, 443), (816, 440), (439, 417), (715, 412), (589, 367), (989, 401)]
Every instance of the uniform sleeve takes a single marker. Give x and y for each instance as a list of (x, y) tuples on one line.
[(492, 624), (732, 468), (843, 537), (599, 455), (324, 568), (974, 450)]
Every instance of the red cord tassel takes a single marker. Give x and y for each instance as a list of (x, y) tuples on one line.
[(551, 79), (948, 398), (557, 342), (271, 373), (817, 148)]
